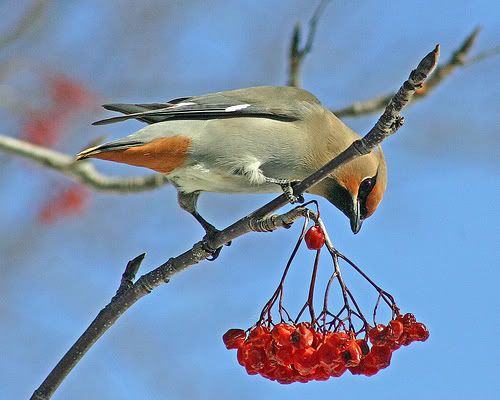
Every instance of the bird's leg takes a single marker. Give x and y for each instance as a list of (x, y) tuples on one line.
[(188, 201), (287, 187)]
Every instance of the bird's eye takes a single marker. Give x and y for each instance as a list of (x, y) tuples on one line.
[(366, 187)]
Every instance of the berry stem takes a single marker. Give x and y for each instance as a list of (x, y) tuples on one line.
[(310, 297), (383, 294), (278, 293)]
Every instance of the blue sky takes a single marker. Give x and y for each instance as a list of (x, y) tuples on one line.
[(433, 243)]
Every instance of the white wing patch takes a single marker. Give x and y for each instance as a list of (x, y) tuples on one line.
[(187, 103), (236, 108)]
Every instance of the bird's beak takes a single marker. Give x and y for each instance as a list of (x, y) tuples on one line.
[(355, 217)]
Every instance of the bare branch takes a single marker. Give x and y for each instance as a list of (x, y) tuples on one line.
[(457, 59), (387, 124), (84, 172), (126, 297), (297, 55), (483, 55), (29, 19)]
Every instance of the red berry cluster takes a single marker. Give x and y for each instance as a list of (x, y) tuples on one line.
[(299, 353)]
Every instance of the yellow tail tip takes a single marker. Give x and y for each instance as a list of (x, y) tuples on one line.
[(80, 156), (86, 153)]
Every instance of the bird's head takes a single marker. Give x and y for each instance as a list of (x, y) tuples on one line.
[(357, 187)]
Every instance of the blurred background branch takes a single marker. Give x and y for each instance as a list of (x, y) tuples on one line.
[(83, 172), (458, 59), (298, 54), (30, 20)]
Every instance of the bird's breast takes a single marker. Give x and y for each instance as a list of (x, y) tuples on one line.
[(199, 177)]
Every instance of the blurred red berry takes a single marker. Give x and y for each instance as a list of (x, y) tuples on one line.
[(315, 238), (43, 128), (70, 95), (71, 200)]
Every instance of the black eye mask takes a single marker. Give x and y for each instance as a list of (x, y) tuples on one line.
[(364, 191)]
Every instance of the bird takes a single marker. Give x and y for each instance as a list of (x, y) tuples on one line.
[(253, 140)]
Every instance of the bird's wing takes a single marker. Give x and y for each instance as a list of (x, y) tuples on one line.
[(276, 102)]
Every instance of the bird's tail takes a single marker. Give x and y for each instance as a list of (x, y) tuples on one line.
[(107, 147)]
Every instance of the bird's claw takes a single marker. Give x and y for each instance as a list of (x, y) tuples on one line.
[(214, 253), (287, 187), (288, 190)]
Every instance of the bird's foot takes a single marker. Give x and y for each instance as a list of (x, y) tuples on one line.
[(208, 238), (287, 187)]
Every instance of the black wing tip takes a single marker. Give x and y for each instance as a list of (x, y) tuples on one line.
[(114, 106), (109, 107), (112, 120)]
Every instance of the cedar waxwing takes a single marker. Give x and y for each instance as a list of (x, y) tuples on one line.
[(250, 140)]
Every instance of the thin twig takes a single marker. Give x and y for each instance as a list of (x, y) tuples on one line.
[(387, 124), (483, 55), (296, 54), (129, 274), (457, 59)]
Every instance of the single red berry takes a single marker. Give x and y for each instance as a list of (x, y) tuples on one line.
[(337, 339), (284, 375), (257, 359), (338, 370), (352, 354), (260, 336), (363, 345), (381, 356), (418, 331), (315, 238), (321, 374), (408, 320), (281, 333), (283, 355), (378, 334), (242, 355), (303, 336), (234, 338), (366, 367), (395, 329), (305, 361), (328, 355)]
